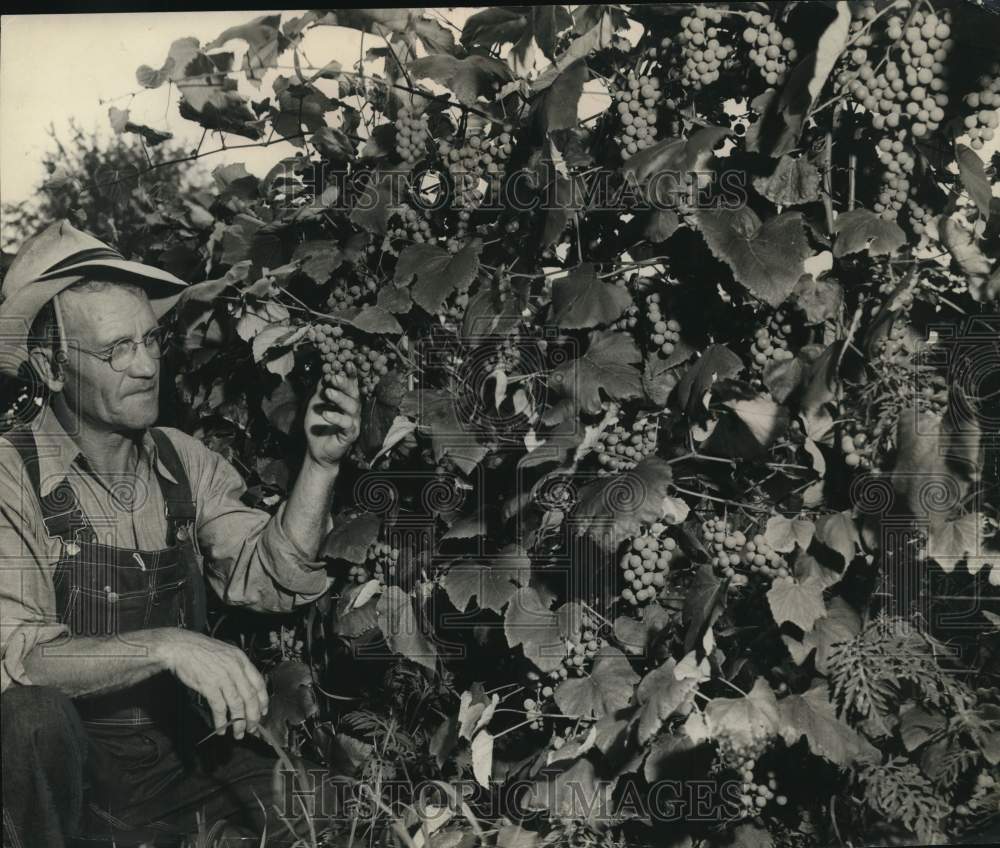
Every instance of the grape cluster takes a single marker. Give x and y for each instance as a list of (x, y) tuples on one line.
[(911, 87), (769, 348), (857, 446), (895, 184), (921, 218), (581, 649), (346, 295), (701, 50), (629, 319), (743, 759), (664, 332), (982, 121), (342, 355), (412, 226), (762, 559), (646, 564), (453, 310), (636, 102), (620, 448), (770, 51), (381, 561), (286, 644), (470, 162), (731, 549), (411, 135)]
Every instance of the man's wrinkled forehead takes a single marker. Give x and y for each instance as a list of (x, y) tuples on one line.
[(102, 316)]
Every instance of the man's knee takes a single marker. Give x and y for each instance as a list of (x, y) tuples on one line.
[(42, 719)]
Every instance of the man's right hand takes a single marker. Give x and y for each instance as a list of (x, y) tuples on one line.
[(220, 672)]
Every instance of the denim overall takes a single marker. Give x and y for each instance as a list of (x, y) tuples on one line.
[(102, 590)]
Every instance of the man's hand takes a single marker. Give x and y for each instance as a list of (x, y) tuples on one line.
[(333, 419), (220, 672)]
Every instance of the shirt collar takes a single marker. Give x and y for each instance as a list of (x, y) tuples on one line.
[(57, 451)]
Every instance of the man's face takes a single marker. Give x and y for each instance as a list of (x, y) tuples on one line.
[(109, 399)]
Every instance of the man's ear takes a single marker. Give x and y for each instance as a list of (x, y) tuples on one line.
[(50, 366)]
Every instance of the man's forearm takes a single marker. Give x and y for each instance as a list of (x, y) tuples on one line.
[(308, 507), (93, 665)]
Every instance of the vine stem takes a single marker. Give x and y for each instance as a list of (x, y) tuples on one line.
[(719, 500)]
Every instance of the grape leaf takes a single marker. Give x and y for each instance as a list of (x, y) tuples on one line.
[(963, 247), (531, 624), (467, 78), (607, 689), (637, 635), (800, 603), (583, 300), (812, 715), (841, 624), (702, 604), (793, 181), (839, 532), (353, 620), (661, 694), (264, 43), (745, 721), (120, 123), (563, 96), (607, 365), (717, 362), (973, 174), (763, 418), (659, 378), (514, 836), (351, 537), (281, 406), (783, 534), (318, 258), (918, 726), (862, 229), (820, 300), (497, 25), (398, 623), (437, 272), (292, 697), (573, 792), (767, 258), (614, 508), (952, 541), (492, 584), (482, 757)]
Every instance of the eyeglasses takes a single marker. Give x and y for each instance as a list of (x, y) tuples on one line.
[(121, 354)]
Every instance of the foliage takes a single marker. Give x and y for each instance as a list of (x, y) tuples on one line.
[(673, 459)]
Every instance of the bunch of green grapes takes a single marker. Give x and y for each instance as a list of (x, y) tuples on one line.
[(769, 348), (896, 179), (636, 102), (621, 449), (857, 446), (910, 89), (701, 50), (982, 121), (346, 295), (340, 354), (453, 310), (474, 162), (723, 544), (772, 52), (285, 644), (664, 332), (921, 218), (411, 135), (646, 564), (758, 555), (358, 574), (629, 318), (412, 226), (381, 561), (581, 648)]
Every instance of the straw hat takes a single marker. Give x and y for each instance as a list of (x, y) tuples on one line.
[(53, 260)]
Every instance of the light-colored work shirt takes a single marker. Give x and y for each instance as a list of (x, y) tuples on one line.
[(245, 553)]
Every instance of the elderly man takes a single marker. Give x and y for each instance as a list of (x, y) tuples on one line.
[(106, 523)]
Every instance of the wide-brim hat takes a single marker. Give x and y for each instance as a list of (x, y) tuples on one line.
[(55, 259)]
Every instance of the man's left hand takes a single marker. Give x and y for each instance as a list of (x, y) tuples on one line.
[(333, 419)]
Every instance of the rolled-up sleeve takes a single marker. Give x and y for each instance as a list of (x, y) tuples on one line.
[(249, 559), (27, 594)]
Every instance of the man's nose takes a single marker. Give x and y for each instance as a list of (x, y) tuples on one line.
[(143, 365)]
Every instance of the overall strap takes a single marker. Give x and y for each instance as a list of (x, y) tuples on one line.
[(177, 497), (61, 511), (181, 511)]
